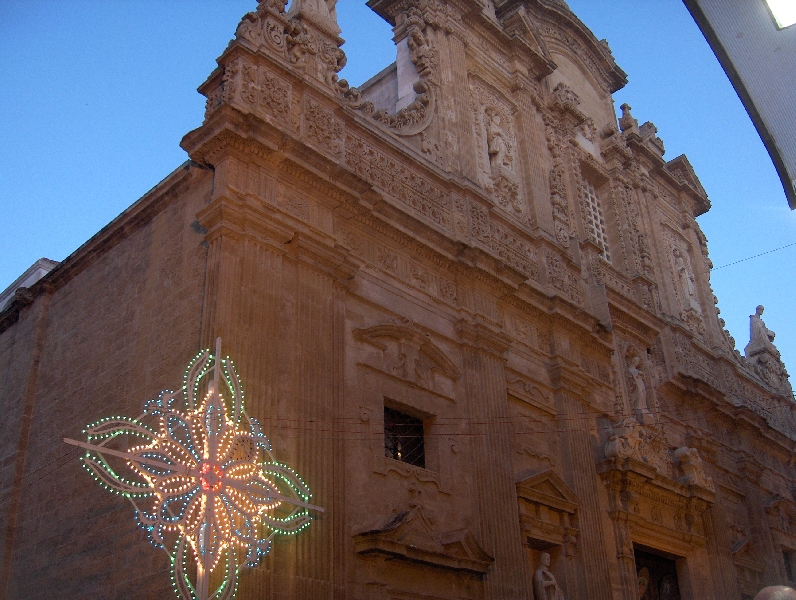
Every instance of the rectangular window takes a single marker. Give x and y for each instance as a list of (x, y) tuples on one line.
[(595, 222), (403, 438)]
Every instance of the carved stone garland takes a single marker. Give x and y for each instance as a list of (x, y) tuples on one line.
[(559, 199)]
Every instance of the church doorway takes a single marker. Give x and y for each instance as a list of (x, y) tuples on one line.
[(657, 576)]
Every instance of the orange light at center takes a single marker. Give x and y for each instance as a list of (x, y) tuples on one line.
[(211, 478)]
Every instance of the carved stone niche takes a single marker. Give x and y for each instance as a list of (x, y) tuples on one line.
[(548, 512), (411, 536), (748, 566), (405, 352), (658, 511)]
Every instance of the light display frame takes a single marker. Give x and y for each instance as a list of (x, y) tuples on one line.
[(201, 477)]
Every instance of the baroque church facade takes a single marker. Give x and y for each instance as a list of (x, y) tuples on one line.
[(470, 307)]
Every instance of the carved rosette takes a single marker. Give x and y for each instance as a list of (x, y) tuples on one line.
[(266, 27)]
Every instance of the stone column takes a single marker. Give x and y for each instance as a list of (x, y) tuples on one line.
[(497, 513), (751, 471), (580, 473), (722, 567), (274, 297), (618, 496)]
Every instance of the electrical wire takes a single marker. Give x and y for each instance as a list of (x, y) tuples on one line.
[(755, 256)]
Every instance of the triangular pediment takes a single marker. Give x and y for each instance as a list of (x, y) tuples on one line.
[(410, 536), (517, 24), (548, 489), (744, 555), (682, 170)]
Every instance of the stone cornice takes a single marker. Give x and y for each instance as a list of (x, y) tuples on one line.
[(477, 334)]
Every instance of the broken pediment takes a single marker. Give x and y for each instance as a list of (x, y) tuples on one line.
[(410, 536), (409, 353)]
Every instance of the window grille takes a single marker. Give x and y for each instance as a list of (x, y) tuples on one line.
[(403, 438), (595, 222)]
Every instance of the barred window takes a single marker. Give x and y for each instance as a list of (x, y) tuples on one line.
[(595, 222), (403, 438)]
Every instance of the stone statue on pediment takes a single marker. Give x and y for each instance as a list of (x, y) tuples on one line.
[(763, 356), (545, 586), (760, 336)]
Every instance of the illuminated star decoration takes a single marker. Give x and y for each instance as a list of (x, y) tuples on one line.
[(200, 474)]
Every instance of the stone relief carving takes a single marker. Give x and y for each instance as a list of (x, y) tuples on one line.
[(694, 470), (645, 444), (410, 354), (267, 25), (562, 279), (496, 140), (564, 97), (322, 128), (399, 180), (411, 535), (545, 586), (556, 179)]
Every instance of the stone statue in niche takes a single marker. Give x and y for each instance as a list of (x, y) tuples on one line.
[(545, 586), (639, 390), (686, 281), (497, 143)]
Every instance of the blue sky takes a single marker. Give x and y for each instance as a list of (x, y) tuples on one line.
[(98, 93)]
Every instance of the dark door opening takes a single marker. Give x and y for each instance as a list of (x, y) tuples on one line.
[(657, 577)]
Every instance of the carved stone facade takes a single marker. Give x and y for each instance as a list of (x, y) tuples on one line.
[(489, 253)]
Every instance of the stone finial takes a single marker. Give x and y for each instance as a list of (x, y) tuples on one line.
[(627, 123)]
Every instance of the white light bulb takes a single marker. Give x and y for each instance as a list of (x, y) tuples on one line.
[(784, 12)]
